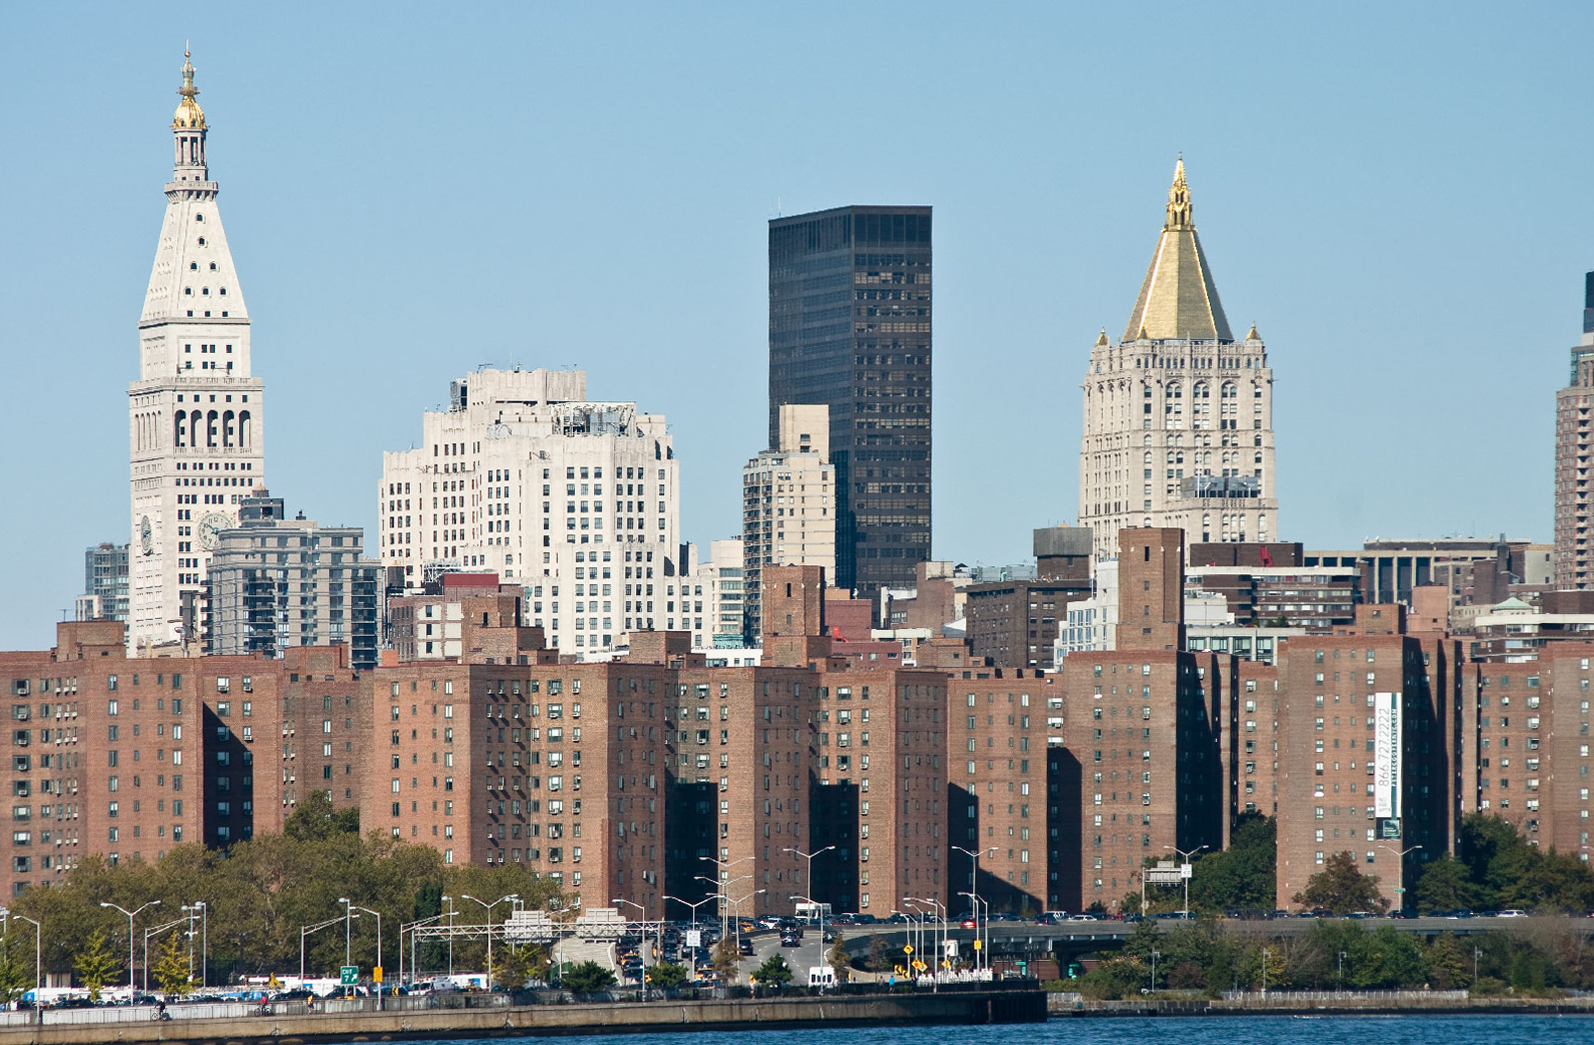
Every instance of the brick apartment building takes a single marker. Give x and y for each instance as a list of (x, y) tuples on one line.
[(125, 758)]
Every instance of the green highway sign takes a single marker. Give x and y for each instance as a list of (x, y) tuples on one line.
[(350, 975)]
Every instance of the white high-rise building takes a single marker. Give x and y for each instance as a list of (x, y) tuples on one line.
[(717, 595), (196, 419), (578, 501), (1178, 414), (789, 504)]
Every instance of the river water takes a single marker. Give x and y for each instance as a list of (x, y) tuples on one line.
[(1196, 1030)]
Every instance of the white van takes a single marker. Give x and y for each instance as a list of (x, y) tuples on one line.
[(821, 976)]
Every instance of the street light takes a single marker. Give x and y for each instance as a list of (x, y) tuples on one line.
[(694, 907), (1185, 856), (1401, 889), (812, 898), (38, 951), (1155, 954), (305, 931), (1341, 970), (149, 934), (348, 923), (940, 954), (737, 904), (1265, 953), (377, 915), (489, 908), (204, 940), (981, 945), (130, 915), (450, 900), (643, 949), (974, 892)]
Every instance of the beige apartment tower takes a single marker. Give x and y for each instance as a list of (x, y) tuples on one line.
[(788, 504), (1178, 413)]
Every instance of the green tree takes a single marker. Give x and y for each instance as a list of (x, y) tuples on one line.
[(315, 820), (879, 959), (1342, 888), (774, 972), (666, 975), (16, 965), (1120, 977), (727, 959), (171, 968), (1446, 885), (840, 961), (587, 978), (1242, 876), (95, 964), (517, 963)]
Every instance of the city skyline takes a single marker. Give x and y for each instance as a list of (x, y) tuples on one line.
[(358, 330)]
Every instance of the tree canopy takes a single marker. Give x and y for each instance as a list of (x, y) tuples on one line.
[(1342, 888), (259, 893)]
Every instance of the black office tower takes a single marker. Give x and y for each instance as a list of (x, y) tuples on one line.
[(849, 327)]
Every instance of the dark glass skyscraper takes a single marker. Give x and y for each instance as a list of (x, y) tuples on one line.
[(849, 327)]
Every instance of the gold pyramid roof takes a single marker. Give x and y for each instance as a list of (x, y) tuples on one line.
[(1178, 299)]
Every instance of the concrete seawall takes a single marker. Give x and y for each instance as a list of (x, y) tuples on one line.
[(1285, 1004), (599, 1018)]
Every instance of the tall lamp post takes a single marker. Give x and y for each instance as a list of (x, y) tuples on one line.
[(204, 939), (694, 907), (489, 909), (814, 893), (450, 900), (38, 949), (378, 916), (643, 948), (940, 945), (974, 891), (305, 931), (981, 943), (1185, 855), (723, 879), (1401, 888), (130, 916)]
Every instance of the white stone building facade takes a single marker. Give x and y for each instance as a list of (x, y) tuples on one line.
[(1178, 414), (196, 420), (576, 500)]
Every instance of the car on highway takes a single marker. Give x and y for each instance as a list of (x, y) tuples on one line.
[(790, 940), (968, 923)]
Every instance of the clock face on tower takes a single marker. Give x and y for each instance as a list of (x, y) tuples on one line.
[(209, 527), (146, 536)]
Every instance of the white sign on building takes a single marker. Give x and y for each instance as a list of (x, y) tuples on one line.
[(1386, 755)]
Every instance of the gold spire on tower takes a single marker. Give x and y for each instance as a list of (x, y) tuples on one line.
[(1179, 214), (1178, 300), (189, 115), (1102, 342)]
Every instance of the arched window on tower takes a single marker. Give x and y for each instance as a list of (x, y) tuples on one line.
[(227, 431), (210, 428), (244, 436), (178, 420)]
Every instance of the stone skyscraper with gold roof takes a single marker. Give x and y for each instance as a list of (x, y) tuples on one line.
[(196, 423), (1178, 412)]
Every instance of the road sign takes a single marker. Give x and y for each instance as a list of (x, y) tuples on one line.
[(376, 974), (694, 938), (349, 975), (908, 949), (977, 945)]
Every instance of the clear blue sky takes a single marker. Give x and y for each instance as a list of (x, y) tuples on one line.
[(1398, 195)]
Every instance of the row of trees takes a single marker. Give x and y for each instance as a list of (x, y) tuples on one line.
[(1206, 957), (1495, 869), (258, 894)]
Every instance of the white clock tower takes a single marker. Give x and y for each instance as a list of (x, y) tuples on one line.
[(196, 421)]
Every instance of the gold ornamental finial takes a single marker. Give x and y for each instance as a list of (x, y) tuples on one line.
[(189, 115), (1253, 335), (1179, 215), (1102, 342), (1142, 335)]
